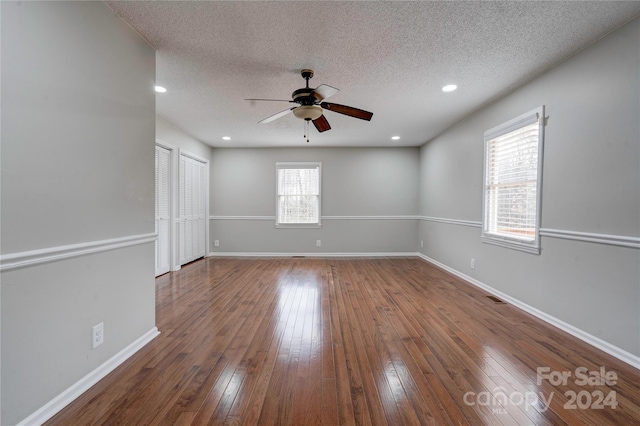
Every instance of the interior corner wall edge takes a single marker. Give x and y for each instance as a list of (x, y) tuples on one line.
[(169, 133), (591, 184), (78, 127)]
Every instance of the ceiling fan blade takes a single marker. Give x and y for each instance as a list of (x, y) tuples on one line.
[(276, 116), (271, 100), (321, 124), (324, 91), (347, 110)]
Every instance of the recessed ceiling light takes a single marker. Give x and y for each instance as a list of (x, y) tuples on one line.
[(449, 88), (226, 138), (395, 138), (160, 89)]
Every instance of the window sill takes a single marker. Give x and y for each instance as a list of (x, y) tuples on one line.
[(528, 248), (298, 225)]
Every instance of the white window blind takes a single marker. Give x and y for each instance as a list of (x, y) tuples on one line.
[(298, 194), (513, 154)]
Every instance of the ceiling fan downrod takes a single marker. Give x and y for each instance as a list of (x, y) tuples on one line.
[(307, 74)]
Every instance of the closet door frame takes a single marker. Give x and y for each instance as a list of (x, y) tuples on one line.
[(173, 196), (205, 161), (163, 211)]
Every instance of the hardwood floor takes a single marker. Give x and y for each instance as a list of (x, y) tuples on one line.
[(305, 341)]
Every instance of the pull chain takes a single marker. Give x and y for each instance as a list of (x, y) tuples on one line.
[(306, 130)]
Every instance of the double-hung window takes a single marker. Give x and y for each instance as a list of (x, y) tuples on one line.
[(298, 195), (512, 182)]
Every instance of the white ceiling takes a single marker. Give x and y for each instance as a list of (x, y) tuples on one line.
[(390, 58)]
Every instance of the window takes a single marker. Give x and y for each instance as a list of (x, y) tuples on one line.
[(512, 182), (298, 194)]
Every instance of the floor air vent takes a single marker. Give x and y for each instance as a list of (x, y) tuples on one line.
[(298, 257), (495, 299)]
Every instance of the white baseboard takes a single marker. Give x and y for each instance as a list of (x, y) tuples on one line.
[(347, 254), (51, 408), (621, 354)]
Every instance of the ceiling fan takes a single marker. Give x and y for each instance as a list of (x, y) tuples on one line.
[(311, 103)]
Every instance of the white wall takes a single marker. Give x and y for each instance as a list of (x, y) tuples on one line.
[(78, 118), (591, 184), (357, 184)]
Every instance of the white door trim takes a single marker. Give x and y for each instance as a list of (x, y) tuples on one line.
[(174, 263)]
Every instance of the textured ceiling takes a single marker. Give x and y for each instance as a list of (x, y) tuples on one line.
[(390, 58)]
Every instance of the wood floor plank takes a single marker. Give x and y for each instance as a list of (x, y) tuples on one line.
[(410, 350), (329, 402), (380, 341), (269, 347), (418, 411), (375, 365), (349, 341), (344, 401)]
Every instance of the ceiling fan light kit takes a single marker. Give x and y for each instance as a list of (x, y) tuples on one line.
[(312, 103), (308, 112)]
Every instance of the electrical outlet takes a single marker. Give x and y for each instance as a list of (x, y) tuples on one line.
[(421, 244), (473, 263), (318, 243), (97, 335), (216, 243)]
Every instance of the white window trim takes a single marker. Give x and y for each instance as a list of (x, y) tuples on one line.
[(300, 165), (525, 119)]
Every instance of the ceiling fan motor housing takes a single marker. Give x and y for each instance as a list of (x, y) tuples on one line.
[(303, 96)]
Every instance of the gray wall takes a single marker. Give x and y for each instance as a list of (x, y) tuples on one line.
[(356, 182), (591, 184), (78, 118)]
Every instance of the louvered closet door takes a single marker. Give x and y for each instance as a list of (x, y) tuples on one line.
[(163, 242), (192, 209)]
